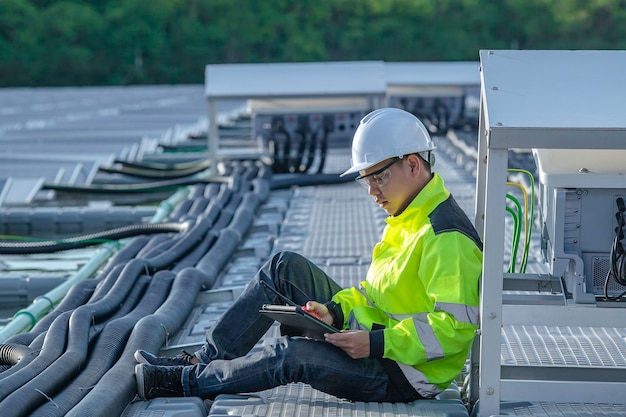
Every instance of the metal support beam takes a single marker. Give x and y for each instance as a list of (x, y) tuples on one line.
[(566, 391), (492, 282), (213, 137), (544, 373), (578, 315)]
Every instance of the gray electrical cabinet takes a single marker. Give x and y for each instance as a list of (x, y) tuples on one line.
[(579, 197)]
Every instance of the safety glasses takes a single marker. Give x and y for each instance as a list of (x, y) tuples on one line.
[(377, 178)]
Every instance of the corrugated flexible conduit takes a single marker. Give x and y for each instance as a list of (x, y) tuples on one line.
[(82, 330), (40, 334), (108, 348), (28, 317), (75, 351), (229, 237), (150, 333), (21, 395)]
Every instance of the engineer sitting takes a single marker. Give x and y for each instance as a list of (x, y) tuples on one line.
[(406, 330)]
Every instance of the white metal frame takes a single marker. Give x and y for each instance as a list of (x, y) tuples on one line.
[(537, 99)]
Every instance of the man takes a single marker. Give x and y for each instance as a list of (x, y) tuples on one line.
[(407, 329)]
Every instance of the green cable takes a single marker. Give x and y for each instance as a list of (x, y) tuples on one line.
[(190, 149), (516, 230), (511, 267), (532, 216)]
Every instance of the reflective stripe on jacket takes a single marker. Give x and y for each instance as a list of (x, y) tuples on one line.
[(421, 290)]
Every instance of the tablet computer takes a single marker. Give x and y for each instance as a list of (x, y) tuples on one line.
[(297, 317)]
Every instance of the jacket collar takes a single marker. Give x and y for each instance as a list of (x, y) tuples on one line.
[(433, 194)]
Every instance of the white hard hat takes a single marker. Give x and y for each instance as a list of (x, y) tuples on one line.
[(387, 133)]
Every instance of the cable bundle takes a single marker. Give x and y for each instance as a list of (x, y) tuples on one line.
[(529, 204), (617, 258)]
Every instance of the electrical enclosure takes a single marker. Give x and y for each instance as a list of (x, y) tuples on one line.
[(578, 191)]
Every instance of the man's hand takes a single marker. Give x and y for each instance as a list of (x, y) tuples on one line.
[(321, 310), (356, 343)]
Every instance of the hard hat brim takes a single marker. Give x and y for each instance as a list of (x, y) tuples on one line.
[(358, 167)]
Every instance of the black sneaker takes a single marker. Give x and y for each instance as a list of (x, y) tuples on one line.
[(159, 381), (184, 359)]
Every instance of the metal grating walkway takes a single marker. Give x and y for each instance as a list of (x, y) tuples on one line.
[(563, 346), (548, 409), (302, 400)]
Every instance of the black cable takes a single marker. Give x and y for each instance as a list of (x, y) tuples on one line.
[(302, 134), (155, 165), (287, 159), (151, 187), (617, 250), (310, 151), (616, 257), (279, 144), (606, 289), (157, 173), (283, 181), (90, 239), (323, 150)]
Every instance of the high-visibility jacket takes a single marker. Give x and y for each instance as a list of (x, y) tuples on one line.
[(420, 297)]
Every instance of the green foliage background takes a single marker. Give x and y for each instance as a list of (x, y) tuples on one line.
[(113, 42)]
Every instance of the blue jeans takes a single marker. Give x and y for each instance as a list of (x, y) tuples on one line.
[(229, 368)]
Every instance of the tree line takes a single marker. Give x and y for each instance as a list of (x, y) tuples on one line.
[(120, 42)]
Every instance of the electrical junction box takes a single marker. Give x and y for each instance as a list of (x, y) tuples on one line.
[(297, 132), (578, 191), (337, 118)]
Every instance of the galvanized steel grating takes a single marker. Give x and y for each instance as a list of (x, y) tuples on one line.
[(563, 346), (337, 222), (301, 400), (346, 275), (556, 409)]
